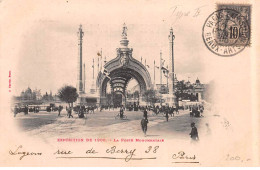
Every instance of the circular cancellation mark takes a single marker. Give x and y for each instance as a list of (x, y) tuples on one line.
[(226, 32)]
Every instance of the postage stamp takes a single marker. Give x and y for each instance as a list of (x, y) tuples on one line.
[(226, 32)]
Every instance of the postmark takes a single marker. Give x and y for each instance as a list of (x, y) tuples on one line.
[(226, 32)]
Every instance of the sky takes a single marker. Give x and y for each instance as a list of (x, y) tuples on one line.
[(46, 46)]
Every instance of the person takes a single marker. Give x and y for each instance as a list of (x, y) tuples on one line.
[(26, 110), (15, 111), (157, 109), (197, 112), (191, 111), (121, 112), (59, 110), (145, 113), (167, 114), (171, 111), (201, 109), (144, 123), (194, 132), (69, 112), (81, 113), (177, 109), (84, 109)]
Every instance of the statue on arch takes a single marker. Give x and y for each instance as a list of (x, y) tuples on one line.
[(124, 33)]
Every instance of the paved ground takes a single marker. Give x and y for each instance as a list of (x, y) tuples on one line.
[(103, 124)]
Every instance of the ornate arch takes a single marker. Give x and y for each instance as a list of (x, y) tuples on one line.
[(121, 69)]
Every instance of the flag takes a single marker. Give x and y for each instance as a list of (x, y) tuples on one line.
[(148, 66), (165, 70), (157, 67), (163, 62), (106, 73), (98, 53)]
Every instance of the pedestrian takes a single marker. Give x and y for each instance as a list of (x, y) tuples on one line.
[(144, 123), (26, 110), (84, 109), (81, 113), (69, 112), (172, 111), (201, 109), (121, 112), (167, 114), (191, 111), (15, 111), (194, 132), (177, 110), (59, 110), (145, 113)]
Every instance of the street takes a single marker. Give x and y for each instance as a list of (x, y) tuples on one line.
[(103, 124)]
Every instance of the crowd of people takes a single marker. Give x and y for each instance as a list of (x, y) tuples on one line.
[(81, 110), (25, 109), (196, 110)]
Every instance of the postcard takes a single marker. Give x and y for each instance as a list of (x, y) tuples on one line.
[(115, 83)]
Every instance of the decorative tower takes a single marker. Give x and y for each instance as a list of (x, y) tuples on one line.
[(171, 96), (80, 82), (124, 52), (124, 41), (84, 82), (93, 89)]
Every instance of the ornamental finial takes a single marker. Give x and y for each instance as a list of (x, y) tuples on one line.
[(124, 33)]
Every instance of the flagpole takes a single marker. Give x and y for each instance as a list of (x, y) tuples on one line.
[(154, 73), (145, 62), (84, 78), (167, 75), (98, 65), (93, 68), (161, 68), (101, 61), (160, 76)]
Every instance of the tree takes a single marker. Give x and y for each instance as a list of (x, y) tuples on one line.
[(68, 94), (150, 96), (181, 86), (181, 91)]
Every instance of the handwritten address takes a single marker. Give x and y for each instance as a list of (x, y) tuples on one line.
[(112, 152), (22, 153)]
